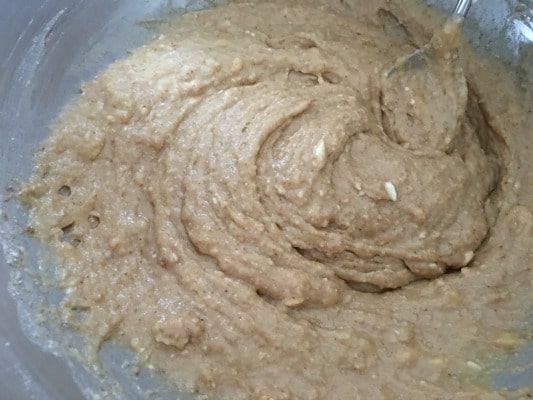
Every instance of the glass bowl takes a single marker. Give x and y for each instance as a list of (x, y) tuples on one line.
[(47, 48)]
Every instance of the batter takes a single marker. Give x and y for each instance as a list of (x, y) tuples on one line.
[(235, 202)]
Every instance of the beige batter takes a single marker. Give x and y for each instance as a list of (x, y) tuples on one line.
[(242, 203)]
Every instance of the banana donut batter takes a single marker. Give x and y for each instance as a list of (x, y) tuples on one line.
[(232, 202)]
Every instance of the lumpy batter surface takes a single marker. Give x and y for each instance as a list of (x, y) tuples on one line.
[(242, 203)]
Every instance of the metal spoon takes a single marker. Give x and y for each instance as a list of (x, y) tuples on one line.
[(424, 94)]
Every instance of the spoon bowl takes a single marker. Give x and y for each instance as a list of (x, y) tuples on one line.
[(432, 76)]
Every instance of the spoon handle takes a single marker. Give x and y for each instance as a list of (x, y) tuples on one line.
[(462, 7)]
